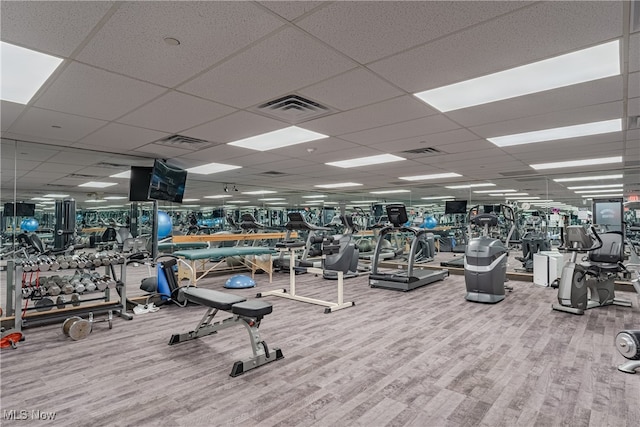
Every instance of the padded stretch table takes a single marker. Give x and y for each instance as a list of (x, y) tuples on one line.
[(170, 247), (253, 257)]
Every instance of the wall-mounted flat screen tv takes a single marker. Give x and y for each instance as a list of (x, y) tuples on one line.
[(139, 182), (167, 182), (455, 207), (21, 209)]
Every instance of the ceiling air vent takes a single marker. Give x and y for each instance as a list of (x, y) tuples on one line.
[(273, 173), (184, 142), (517, 173), (424, 150), (111, 165), (293, 109), (80, 175), (633, 122)]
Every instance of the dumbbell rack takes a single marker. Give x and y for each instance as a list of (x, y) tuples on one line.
[(15, 284)]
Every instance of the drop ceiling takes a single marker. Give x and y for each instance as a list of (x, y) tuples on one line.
[(122, 89)]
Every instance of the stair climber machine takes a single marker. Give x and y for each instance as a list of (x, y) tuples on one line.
[(485, 260), (413, 277), (591, 284)]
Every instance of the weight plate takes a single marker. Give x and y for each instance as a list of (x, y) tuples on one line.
[(75, 299), (67, 324), (44, 304), (60, 303), (80, 329)]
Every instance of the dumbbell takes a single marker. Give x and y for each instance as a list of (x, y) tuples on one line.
[(89, 286), (66, 286), (54, 265), (81, 262), (62, 260), (53, 288), (73, 262), (78, 328)]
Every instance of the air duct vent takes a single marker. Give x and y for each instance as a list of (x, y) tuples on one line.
[(61, 186), (517, 173), (184, 142), (273, 173), (111, 165), (533, 178), (633, 122), (80, 175), (293, 109), (424, 150)]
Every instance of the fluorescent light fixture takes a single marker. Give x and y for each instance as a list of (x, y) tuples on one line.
[(125, 174), (276, 203), (437, 197), (55, 196), (330, 203), (210, 168), (218, 196), (609, 190), (592, 196), (314, 196), (363, 201), (390, 191), (432, 176), (366, 161), (271, 199), (484, 184), (583, 187), (259, 192), (95, 201), (241, 201), (523, 198), (24, 71), (577, 163), (572, 68), (190, 200), (338, 185), (49, 202), (116, 198), (495, 191), (595, 128), (588, 178), (278, 138), (508, 194), (41, 198), (98, 184), (190, 206)]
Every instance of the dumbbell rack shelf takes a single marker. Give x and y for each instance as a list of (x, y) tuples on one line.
[(54, 315)]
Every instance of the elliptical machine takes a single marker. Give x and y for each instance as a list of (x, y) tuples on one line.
[(590, 284), (534, 241), (485, 260)]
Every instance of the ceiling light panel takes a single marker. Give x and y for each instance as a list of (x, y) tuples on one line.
[(55, 196), (24, 71), (577, 163), (494, 191), (258, 192), (595, 128), (431, 176), (219, 196), (338, 185), (210, 168), (366, 161), (125, 174), (595, 196), (588, 178), (606, 190), (576, 67), (277, 139), (437, 197), (482, 184), (389, 191), (584, 187), (97, 184)]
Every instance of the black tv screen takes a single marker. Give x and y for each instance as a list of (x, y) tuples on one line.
[(139, 183), (608, 214), (21, 209), (397, 214), (167, 182), (455, 207), (495, 209)]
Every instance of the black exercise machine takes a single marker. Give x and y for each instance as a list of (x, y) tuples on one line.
[(246, 313), (413, 277)]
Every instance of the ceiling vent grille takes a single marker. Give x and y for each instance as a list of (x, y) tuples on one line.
[(533, 178), (517, 173), (293, 109), (184, 142), (273, 173), (111, 165), (80, 175), (633, 122), (424, 150)]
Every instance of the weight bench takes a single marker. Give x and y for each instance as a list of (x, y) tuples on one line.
[(196, 259), (247, 313)]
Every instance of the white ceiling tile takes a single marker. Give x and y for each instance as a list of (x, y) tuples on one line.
[(528, 35), (159, 151), (38, 24), (633, 107), (440, 140), (77, 157), (314, 149), (634, 85), (367, 31), (120, 137), (235, 126), (538, 104), (466, 146), (383, 113), (91, 92), (207, 31), (174, 112), (410, 128), (39, 122), (352, 89), (291, 10), (278, 65), (9, 111)]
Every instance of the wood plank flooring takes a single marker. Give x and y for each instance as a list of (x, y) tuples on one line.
[(420, 358)]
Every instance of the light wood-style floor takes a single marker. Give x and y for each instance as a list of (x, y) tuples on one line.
[(421, 358)]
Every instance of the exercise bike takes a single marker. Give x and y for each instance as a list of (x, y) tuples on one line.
[(590, 284)]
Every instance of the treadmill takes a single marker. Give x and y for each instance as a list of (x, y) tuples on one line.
[(411, 278)]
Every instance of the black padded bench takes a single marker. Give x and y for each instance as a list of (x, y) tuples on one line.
[(248, 313)]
